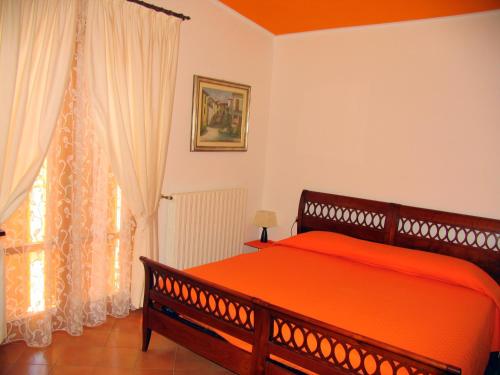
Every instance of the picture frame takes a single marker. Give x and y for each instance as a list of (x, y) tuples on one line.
[(220, 115)]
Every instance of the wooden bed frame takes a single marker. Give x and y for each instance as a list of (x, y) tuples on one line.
[(174, 300)]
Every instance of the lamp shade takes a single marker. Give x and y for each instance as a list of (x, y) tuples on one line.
[(265, 219)]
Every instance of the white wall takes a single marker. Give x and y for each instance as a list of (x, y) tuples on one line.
[(219, 43), (406, 112)]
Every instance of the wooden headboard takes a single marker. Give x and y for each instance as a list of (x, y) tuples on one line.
[(472, 238)]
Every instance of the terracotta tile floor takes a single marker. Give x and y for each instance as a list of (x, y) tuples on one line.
[(112, 348)]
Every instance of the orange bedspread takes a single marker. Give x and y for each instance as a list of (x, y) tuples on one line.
[(436, 306)]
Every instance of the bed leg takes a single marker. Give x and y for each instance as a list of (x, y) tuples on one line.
[(146, 337), (262, 331)]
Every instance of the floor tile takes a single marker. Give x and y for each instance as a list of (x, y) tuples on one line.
[(112, 348), (123, 371), (26, 369), (146, 371), (205, 371), (117, 357), (90, 337), (71, 370), (122, 338), (160, 342), (37, 356), (113, 371), (63, 338), (10, 353), (128, 323), (189, 361), (79, 356), (4, 368), (156, 359)]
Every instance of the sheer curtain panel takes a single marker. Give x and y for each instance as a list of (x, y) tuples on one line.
[(130, 67), (36, 49)]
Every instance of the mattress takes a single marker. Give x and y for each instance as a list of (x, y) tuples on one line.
[(433, 305)]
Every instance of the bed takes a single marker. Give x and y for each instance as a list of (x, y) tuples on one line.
[(347, 295)]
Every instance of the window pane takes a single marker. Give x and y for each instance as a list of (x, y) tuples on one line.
[(37, 211), (37, 281), (38, 206)]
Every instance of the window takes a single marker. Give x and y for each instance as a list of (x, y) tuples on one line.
[(69, 245), (36, 223), (32, 242), (38, 206)]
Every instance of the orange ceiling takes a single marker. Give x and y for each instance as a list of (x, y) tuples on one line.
[(292, 16)]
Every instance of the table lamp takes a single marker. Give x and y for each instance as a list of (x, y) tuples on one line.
[(265, 219)]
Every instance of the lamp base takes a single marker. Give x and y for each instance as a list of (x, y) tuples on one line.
[(263, 236)]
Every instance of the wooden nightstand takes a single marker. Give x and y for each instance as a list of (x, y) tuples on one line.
[(259, 245)]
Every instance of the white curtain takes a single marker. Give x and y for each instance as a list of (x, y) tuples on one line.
[(131, 63), (36, 49)]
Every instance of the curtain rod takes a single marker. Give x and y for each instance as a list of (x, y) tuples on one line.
[(160, 9)]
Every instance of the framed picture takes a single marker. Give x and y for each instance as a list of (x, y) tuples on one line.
[(220, 115)]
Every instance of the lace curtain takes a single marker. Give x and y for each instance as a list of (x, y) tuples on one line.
[(68, 248)]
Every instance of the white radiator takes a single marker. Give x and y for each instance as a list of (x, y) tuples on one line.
[(204, 226)]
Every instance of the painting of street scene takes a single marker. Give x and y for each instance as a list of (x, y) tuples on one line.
[(220, 114)]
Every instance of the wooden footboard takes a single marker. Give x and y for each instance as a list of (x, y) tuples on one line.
[(198, 314)]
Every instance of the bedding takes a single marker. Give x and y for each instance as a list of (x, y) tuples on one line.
[(436, 306)]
